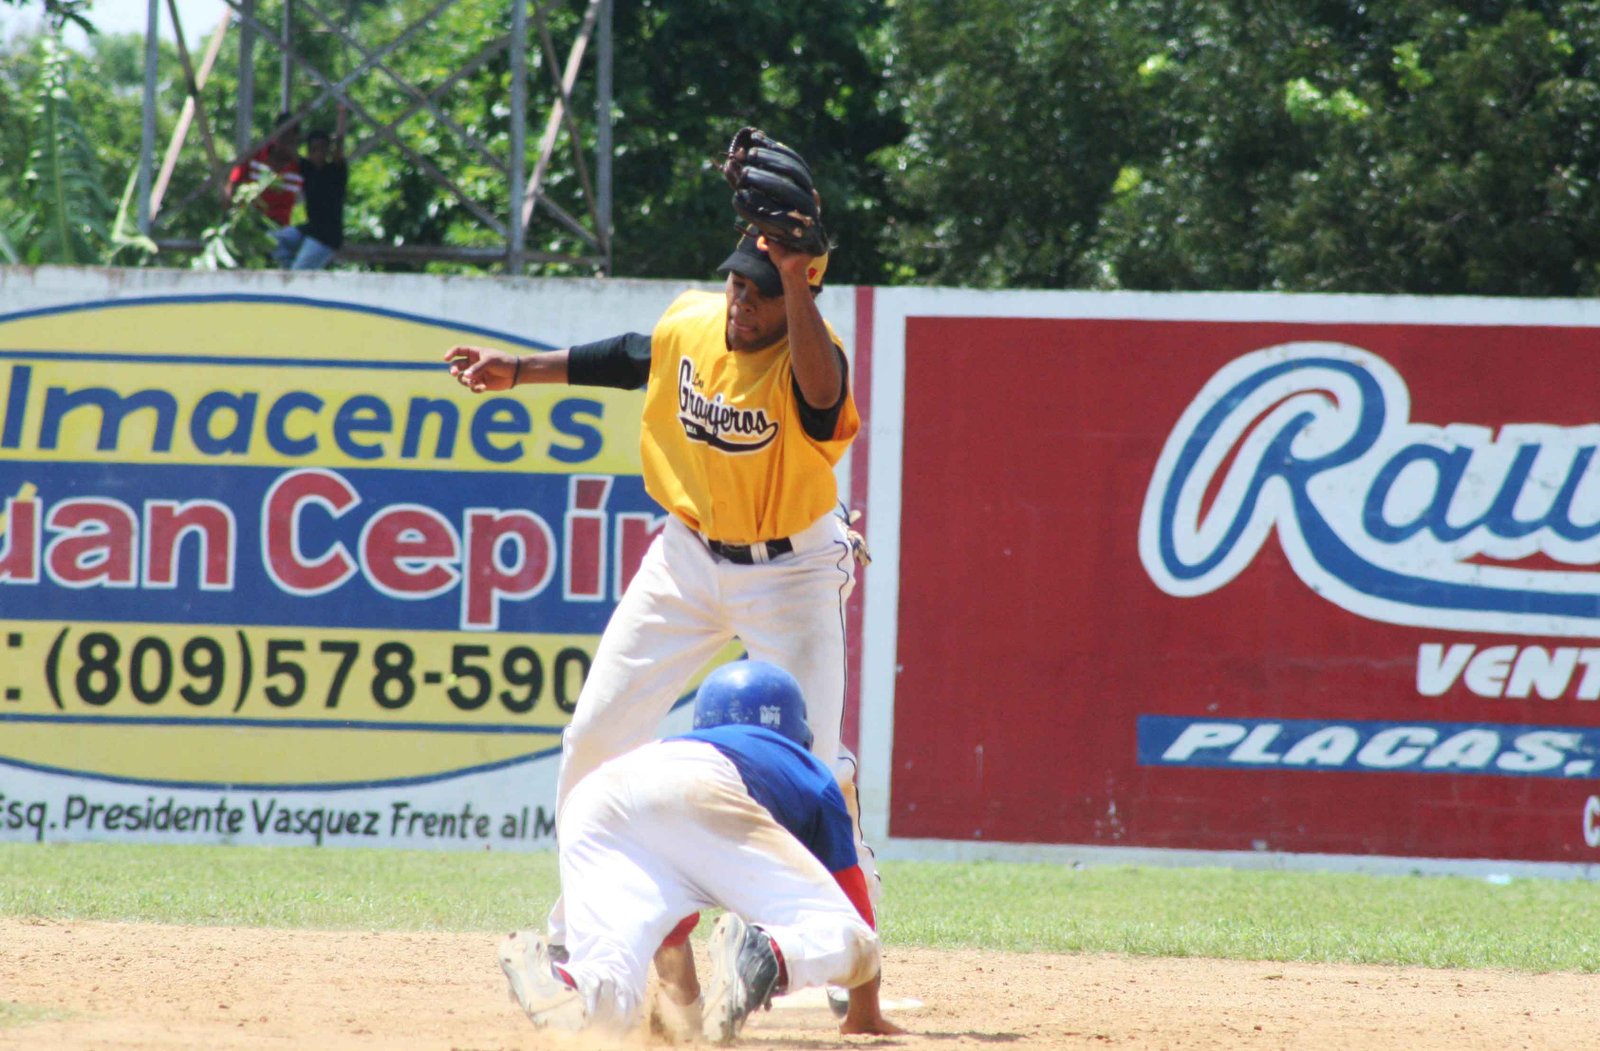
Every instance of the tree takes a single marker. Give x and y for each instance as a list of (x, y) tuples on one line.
[(690, 75), (1472, 169), (1020, 117), (1425, 147), (1428, 146), (1216, 150)]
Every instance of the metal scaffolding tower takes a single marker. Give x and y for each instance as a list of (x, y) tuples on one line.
[(509, 217)]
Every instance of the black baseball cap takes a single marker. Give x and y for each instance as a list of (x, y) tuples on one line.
[(750, 261)]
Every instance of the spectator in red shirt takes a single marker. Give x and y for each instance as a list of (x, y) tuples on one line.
[(277, 164)]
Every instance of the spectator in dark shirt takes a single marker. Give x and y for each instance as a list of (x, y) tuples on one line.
[(323, 174)]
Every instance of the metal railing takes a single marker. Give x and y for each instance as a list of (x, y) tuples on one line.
[(508, 217)]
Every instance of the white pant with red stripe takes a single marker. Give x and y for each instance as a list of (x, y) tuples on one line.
[(669, 829)]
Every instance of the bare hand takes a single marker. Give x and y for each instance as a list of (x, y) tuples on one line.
[(865, 1014), (871, 1026), (481, 369)]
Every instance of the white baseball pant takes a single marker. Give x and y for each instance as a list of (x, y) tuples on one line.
[(683, 606), (670, 829)]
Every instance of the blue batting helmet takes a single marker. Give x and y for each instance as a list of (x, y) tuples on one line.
[(753, 693)]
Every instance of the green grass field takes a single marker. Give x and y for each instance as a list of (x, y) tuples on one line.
[(1432, 921)]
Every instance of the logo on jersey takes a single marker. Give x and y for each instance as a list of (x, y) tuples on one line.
[(716, 423), (1404, 522)]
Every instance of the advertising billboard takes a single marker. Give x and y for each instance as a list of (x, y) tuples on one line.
[(268, 574), (1285, 575)]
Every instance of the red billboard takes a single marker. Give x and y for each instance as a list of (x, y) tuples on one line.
[(1317, 585)]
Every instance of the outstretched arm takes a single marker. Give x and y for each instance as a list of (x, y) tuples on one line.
[(621, 361)]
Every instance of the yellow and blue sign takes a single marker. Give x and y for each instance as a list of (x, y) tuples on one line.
[(267, 543)]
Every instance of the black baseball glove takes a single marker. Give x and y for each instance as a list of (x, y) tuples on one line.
[(772, 192)]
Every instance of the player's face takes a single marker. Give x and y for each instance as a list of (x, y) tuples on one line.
[(754, 320)]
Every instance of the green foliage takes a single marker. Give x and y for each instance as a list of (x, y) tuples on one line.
[(1430, 146), (61, 123), (1216, 136), (690, 75), (1476, 173), (1427, 147), (63, 171), (241, 233), (1021, 118), (687, 75)]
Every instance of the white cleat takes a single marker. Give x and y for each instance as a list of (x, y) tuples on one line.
[(548, 1001)]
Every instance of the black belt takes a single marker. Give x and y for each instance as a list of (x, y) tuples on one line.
[(745, 554)]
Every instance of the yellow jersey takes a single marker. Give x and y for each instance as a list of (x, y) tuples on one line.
[(724, 443)]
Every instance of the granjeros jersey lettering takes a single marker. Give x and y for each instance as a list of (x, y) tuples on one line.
[(716, 423), (723, 445)]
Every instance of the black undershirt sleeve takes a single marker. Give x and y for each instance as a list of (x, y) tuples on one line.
[(820, 423), (621, 361), (624, 362)]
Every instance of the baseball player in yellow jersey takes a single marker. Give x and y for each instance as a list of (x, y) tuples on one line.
[(747, 410)]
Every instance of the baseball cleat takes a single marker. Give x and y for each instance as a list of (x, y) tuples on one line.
[(744, 975), (546, 999)]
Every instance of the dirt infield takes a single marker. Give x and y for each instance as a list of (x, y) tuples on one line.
[(110, 987)]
